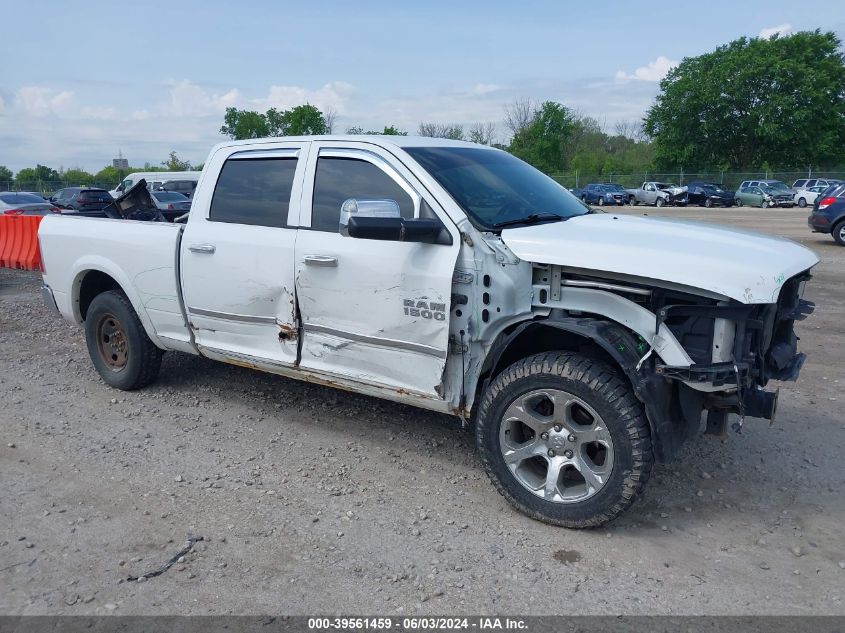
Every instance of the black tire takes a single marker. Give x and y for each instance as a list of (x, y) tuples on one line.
[(634, 202), (708, 203), (738, 202), (802, 202), (838, 232), (140, 359), (600, 201), (659, 202), (610, 395)]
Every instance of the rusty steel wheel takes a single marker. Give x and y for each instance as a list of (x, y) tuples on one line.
[(111, 342), (119, 347)]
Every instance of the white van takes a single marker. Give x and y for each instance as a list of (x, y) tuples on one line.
[(155, 179)]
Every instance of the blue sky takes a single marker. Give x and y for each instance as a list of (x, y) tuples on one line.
[(80, 81)]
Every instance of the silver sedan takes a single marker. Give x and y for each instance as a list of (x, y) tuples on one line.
[(24, 203)]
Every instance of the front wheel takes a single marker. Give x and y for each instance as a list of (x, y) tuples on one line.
[(564, 439), (708, 203), (119, 347), (738, 202), (659, 202), (802, 202), (600, 202)]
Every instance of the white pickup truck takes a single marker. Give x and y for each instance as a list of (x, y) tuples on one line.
[(656, 193), (583, 346)]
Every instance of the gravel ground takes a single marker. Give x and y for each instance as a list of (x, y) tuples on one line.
[(312, 500)]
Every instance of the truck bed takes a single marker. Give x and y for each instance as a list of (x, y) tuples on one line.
[(140, 256)]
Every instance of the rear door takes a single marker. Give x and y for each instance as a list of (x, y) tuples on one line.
[(372, 311), (237, 255)]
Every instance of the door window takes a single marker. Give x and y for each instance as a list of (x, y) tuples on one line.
[(254, 191), (339, 179)]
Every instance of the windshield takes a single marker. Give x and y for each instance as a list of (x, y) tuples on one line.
[(614, 187), (494, 187), (665, 185)]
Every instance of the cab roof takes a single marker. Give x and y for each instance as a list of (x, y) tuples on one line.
[(376, 139)]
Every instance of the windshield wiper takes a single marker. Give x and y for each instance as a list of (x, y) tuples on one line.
[(532, 218)]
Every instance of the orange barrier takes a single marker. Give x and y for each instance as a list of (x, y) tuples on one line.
[(19, 242)]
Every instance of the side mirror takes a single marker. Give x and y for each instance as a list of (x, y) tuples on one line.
[(369, 208), (424, 230)]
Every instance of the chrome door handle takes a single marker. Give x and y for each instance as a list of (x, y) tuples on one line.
[(202, 248), (320, 260)]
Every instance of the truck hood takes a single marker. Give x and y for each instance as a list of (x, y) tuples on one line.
[(745, 266)]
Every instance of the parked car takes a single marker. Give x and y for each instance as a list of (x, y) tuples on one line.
[(772, 184), (803, 197), (708, 194), (763, 197), (582, 346), (603, 193), (807, 183), (185, 187), (82, 198), (171, 204), (656, 193), (828, 215), (25, 203)]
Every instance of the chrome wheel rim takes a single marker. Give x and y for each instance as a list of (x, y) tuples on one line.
[(111, 342), (842, 233), (556, 446)]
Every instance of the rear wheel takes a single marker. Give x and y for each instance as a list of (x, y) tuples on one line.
[(118, 345), (564, 439), (838, 233)]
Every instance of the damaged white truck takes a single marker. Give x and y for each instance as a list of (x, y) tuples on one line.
[(582, 346)]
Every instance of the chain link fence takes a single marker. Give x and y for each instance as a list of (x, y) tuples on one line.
[(728, 179), (49, 187)]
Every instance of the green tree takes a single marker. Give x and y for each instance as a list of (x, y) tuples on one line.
[(41, 173), (174, 163), (76, 176), (544, 141), (779, 100), (6, 175), (304, 120), (242, 124)]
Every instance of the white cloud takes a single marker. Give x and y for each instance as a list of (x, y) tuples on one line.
[(39, 101), (483, 89), (332, 95), (653, 71), (189, 99), (98, 112), (780, 29)]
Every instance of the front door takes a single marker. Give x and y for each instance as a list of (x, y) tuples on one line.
[(372, 311), (237, 255)]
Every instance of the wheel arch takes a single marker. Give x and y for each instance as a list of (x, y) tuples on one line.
[(93, 278), (673, 411)]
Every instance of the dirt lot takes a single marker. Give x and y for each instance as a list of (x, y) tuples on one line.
[(318, 501)]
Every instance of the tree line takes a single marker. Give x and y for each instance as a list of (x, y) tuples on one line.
[(77, 176), (752, 104)]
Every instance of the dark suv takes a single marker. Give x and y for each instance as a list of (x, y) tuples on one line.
[(828, 214), (600, 193), (82, 198), (709, 194)]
